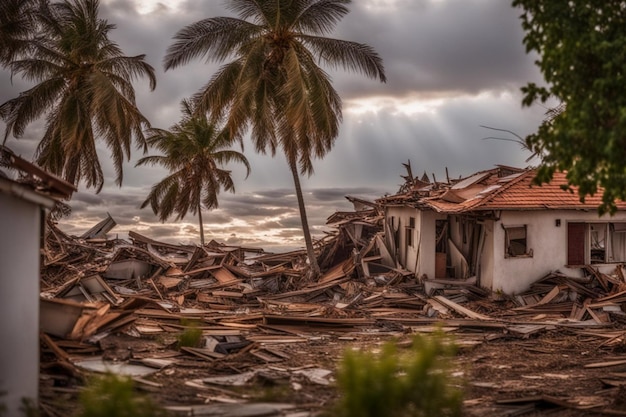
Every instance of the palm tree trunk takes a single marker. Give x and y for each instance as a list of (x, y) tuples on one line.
[(315, 269), (201, 225)]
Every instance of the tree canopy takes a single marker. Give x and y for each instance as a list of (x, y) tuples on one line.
[(582, 56), (83, 87), (17, 25), (195, 152)]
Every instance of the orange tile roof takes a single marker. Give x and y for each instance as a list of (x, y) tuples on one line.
[(501, 189), (521, 193)]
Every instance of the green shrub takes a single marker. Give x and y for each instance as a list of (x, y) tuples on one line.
[(191, 336), (28, 408), (411, 383), (111, 395)]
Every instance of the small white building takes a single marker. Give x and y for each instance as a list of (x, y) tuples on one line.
[(498, 228), (22, 219)]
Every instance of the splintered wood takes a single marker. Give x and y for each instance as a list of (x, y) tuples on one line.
[(241, 309)]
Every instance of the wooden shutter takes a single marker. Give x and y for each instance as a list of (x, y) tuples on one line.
[(576, 243)]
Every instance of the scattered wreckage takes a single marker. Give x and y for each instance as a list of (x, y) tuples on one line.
[(120, 306)]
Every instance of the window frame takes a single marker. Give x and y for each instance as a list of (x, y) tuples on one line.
[(409, 233), (508, 241)]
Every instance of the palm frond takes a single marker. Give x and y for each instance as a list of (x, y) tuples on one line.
[(320, 17), (30, 105), (194, 151), (215, 38), (84, 85), (352, 56)]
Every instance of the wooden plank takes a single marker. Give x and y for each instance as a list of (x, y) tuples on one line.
[(460, 309), (224, 276), (202, 353), (308, 290), (59, 353), (599, 318), (526, 329), (265, 356), (276, 352), (606, 364), (550, 296), (168, 282), (340, 270), (227, 294), (277, 339), (318, 321)]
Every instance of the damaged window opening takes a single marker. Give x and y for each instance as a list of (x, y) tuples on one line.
[(410, 229), (597, 235), (516, 244), (596, 243), (617, 235)]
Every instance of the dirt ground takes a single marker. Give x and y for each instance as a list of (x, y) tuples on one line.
[(555, 372)]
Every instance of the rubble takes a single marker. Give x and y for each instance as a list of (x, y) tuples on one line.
[(122, 305)]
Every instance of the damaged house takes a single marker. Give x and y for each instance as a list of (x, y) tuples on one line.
[(497, 229)]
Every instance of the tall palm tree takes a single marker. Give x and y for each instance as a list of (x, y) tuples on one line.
[(84, 89), (194, 151), (274, 83)]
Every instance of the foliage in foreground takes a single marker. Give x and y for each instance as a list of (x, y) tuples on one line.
[(111, 395), (582, 47), (414, 383), (28, 408), (191, 336)]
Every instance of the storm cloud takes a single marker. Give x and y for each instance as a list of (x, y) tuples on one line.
[(451, 66)]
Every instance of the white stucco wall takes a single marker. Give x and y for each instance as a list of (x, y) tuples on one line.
[(511, 275), (405, 256), (428, 227), (19, 301), (486, 268), (419, 258), (548, 242)]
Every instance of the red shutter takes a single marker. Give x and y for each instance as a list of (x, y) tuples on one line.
[(576, 243)]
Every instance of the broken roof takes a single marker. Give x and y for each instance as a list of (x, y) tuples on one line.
[(500, 188), (32, 176)]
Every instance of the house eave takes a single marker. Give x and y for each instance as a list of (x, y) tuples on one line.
[(15, 189)]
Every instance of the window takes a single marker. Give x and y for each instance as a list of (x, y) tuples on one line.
[(617, 242), (410, 231), (597, 243), (515, 242)]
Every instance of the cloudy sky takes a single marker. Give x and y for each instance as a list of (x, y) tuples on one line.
[(451, 66)]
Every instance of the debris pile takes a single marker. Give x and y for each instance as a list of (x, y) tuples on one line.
[(133, 306)]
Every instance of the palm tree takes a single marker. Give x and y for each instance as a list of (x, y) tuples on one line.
[(274, 83), (84, 89), (194, 151), (17, 25)]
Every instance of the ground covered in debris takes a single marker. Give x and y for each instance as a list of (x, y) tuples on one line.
[(233, 331), (557, 372)]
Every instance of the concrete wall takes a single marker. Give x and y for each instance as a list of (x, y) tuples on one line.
[(420, 257), (511, 275), (19, 301), (428, 228), (547, 241), (400, 216), (486, 273)]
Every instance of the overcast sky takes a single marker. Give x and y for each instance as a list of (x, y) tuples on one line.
[(451, 66)]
